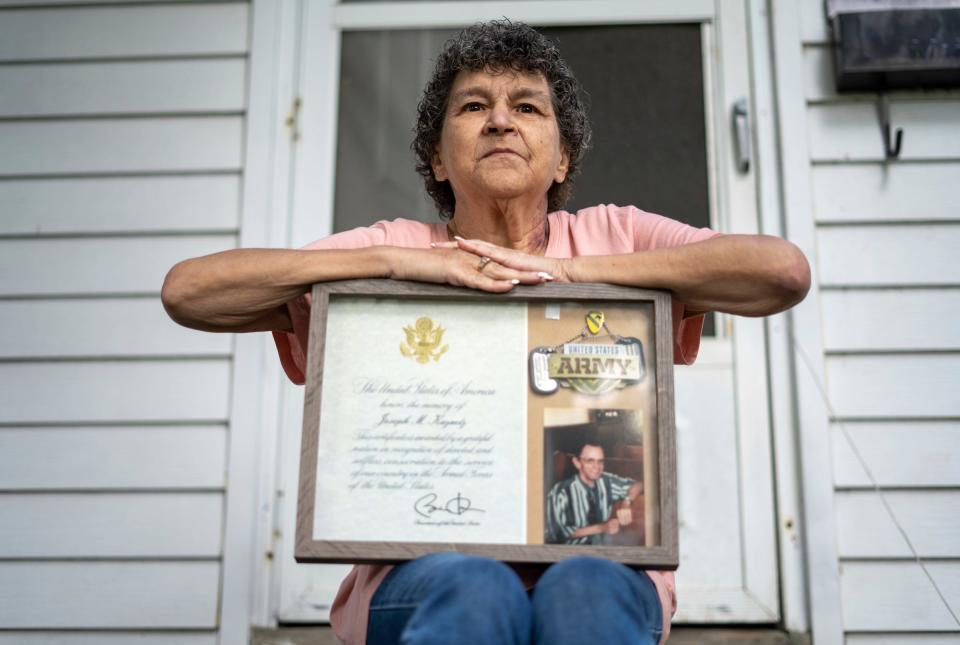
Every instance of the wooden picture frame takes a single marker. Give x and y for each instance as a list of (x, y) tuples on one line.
[(358, 356)]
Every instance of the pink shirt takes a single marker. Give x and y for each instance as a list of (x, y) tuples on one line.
[(600, 230)]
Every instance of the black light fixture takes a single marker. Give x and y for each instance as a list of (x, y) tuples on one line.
[(887, 44), (881, 45)]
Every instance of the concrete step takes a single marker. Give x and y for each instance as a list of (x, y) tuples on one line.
[(678, 636)]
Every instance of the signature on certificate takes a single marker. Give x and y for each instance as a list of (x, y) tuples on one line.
[(456, 505)]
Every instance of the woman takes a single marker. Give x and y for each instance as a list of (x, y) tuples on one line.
[(501, 132)]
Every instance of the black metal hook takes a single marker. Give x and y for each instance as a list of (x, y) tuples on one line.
[(888, 151)]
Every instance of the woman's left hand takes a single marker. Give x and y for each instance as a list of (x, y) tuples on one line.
[(554, 268)]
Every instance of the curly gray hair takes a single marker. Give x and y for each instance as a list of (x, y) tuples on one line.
[(497, 46)]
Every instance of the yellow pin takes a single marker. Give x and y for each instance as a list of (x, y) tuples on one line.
[(595, 322)]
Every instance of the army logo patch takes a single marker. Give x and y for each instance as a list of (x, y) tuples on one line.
[(588, 363)]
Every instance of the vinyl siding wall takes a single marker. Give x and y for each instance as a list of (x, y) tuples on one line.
[(889, 290), (121, 137)]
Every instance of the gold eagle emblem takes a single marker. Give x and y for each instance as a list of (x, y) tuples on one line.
[(423, 341)]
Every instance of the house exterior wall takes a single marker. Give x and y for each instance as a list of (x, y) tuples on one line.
[(121, 152), (889, 295)]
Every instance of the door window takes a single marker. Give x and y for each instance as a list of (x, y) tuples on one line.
[(644, 85)]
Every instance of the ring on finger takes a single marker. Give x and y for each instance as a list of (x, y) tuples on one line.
[(484, 261)]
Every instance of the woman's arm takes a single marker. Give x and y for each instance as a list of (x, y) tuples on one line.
[(247, 289), (748, 275)]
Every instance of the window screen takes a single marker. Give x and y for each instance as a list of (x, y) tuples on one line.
[(644, 85)]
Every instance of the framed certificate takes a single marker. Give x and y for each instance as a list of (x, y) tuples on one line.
[(528, 427)]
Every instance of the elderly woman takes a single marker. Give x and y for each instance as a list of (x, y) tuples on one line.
[(500, 135)]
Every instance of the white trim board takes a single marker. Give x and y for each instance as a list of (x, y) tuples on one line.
[(736, 196), (249, 525), (804, 336), (793, 598), (423, 15)]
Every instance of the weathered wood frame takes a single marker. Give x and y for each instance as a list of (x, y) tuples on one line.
[(663, 556)]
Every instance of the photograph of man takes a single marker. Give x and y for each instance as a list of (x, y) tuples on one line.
[(590, 505)]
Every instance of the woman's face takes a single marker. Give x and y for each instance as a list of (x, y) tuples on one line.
[(500, 138)]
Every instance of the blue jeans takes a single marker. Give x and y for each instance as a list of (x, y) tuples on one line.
[(462, 599)]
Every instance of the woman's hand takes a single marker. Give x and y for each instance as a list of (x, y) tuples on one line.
[(746, 275), (445, 263), (547, 268)]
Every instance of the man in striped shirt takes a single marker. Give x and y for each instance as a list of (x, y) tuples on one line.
[(580, 509)]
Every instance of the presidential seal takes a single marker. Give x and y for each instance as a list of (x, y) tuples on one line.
[(423, 341)]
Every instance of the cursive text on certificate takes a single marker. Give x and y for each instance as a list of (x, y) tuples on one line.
[(419, 436)]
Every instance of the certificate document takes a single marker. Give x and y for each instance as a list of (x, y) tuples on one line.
[(527, 427), (428, 400)]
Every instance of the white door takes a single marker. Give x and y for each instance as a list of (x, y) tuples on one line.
[(696, 49)]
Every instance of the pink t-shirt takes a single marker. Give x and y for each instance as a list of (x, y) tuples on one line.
[(600, 230)]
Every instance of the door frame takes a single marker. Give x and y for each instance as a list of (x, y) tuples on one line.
[(306, 213), (808, 537), (248, 578)]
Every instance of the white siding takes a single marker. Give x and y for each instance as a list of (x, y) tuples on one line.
[(894, 385), (865, 320), (114, 391), (813, 22), (896, 193), (850, 131), (121, 147), (181, 203), (33, 328), (107, 87), (74, 457), (882, 255), (898, 596), (97, 266), (931, 519), (890, 298), (70, 525), (127, 32), (104, 594), (900, 639), (147, 144), (114, 637), (933, 447)]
